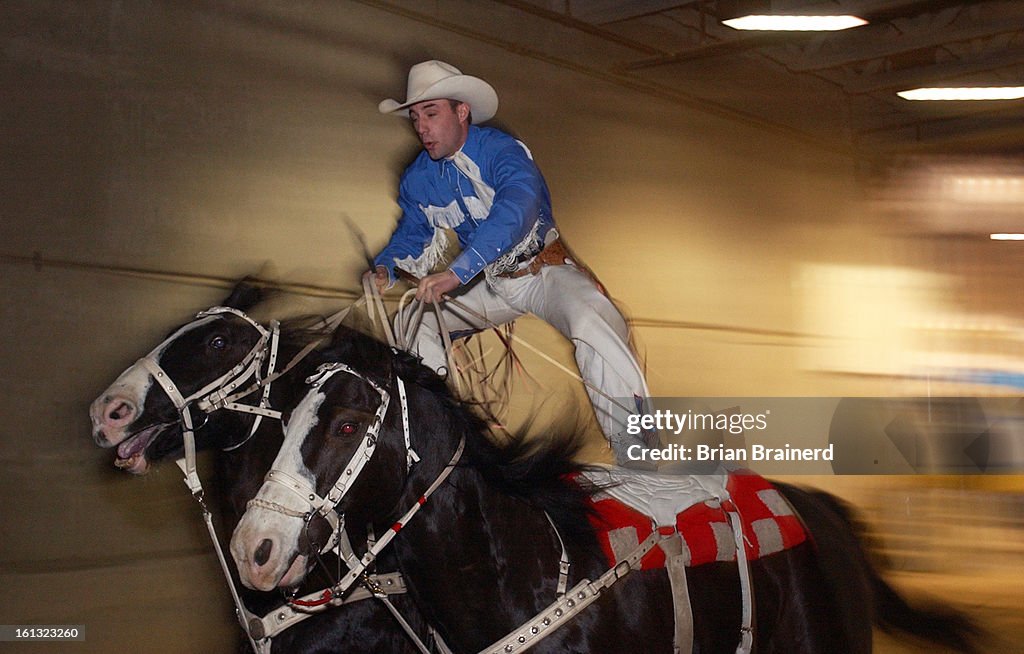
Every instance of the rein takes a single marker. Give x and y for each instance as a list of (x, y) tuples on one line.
[(412, 323)]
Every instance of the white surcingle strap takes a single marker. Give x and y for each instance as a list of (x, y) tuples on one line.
[(746, 643), (675, 566)]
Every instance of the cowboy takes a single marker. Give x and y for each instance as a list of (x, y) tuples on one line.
[(483, 184)]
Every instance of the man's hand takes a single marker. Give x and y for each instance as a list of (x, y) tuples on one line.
[(432, 287), (379, 277)]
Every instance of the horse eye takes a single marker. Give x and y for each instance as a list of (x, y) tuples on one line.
[(348, 428), (218, 342)]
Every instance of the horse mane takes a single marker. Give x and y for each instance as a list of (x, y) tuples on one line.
[(306, 329), (542, 472)]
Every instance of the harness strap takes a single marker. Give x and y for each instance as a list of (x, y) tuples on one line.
[(408, 327), (262, 410), (371, 554), (446, 338), (572, 603), (300, 488), (410, 454), (746, 643), (563, 561), (675, 565), (241, 612), (439, 644), (283, 617), (348, 555), (409, 631)]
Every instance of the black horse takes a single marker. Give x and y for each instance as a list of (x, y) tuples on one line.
[(482, 558), (142, 422)]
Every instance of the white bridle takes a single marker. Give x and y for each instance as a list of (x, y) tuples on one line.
[(216, 394), (221, 393), (326, 506)]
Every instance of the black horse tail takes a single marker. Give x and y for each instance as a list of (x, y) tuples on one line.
[(855, 582), (935, 623)]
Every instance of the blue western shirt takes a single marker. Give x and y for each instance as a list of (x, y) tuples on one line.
[(435, 195)]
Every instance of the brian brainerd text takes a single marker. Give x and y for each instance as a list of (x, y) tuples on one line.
[(722, 453)]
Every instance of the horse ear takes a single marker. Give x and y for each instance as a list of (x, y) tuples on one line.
[(244, 296)]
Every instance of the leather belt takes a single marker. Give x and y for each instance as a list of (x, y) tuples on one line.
[(553, 254)]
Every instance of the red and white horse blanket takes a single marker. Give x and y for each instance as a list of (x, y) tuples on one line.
[(636, 503)]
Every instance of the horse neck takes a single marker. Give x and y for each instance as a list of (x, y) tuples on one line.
[(241, 470), (478, 557)]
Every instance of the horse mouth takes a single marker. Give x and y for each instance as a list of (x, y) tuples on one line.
[(295, 574), (131, 453)]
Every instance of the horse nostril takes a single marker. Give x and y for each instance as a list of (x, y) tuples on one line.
[(120, 411), (263, 552)]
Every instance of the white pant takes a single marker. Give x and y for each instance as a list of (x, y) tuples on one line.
[(569, 300)]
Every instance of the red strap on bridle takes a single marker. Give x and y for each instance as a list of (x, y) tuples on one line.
[(325, 598)]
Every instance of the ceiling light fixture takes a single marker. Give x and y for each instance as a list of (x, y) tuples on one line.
[(964, 93), (1007, 237), (794, 23)]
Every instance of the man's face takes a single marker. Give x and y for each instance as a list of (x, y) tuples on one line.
[(441, 129)]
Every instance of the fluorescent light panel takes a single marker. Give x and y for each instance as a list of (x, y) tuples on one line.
[(795, 23), (1007, 237), (965, 93)]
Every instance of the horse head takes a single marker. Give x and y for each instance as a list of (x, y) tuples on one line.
[(345, 460), (141, 413)]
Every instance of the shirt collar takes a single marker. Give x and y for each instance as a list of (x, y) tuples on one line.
[(472, 145)]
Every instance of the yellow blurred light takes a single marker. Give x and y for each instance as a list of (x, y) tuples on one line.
[(964, 93), (985, 189), (795, 23)]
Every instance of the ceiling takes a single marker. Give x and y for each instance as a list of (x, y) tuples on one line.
[(837, 89)]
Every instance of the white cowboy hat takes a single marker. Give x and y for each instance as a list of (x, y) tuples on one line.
[(436, 80)]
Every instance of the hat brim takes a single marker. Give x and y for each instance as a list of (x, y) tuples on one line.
[(478, 94)]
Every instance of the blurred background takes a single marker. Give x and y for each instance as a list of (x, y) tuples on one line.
[(772, 217)]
